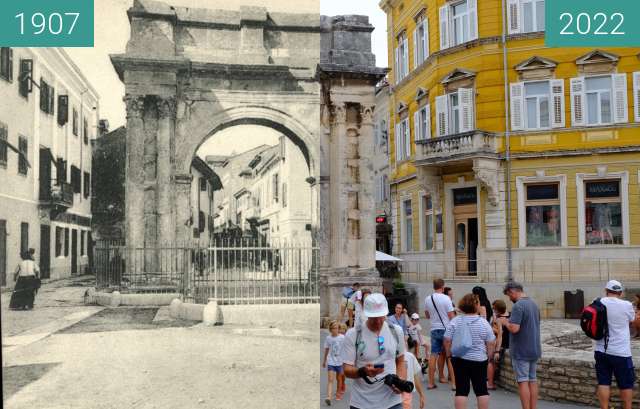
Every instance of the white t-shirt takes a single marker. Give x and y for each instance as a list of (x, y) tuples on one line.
[(445, 306), (378, 395), (335, 346), (619, 314), (415, 332), (413, 367)]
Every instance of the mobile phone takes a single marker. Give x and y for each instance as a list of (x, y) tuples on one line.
[(379, 366)]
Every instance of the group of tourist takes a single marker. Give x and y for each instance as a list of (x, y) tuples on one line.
[(468, 341)]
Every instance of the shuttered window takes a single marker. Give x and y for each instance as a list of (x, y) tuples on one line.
[(636, 96), (526, 16), (4, 148), (458, 23), (455, 112), (402, 57), (422, 123), (47, 97), (6, 63), (26, 75), (63, 109), (599, 100), (75, 122), (87, 185), (403, 140), (420, 41), (23, 147), (76, 181)]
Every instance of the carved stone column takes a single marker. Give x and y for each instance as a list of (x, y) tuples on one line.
[(166, 122), (184, 218), (134, 171), (338, 197), (367, 242)]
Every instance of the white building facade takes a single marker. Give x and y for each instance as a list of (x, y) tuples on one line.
[(48, 116), (384, 230)]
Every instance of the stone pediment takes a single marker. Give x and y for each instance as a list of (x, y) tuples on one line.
[(536, 63), (420, 13), (458, 74), (421, 93), (597, 57), (401, 107)]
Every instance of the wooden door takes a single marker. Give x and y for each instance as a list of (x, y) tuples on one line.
[(466, 238), (45, 251), (74, 252), (462, 241)]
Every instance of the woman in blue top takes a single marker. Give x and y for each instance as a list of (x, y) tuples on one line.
[(472, 366)]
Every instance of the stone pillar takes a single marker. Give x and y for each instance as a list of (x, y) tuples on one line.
[(166, 121), (338, 197), (367, 243), (184, 220), (134, 171)]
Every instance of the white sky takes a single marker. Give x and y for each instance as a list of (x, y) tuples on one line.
[(238, 139), (112, 32)]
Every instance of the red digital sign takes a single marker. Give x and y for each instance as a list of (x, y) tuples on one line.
[(381, 219)]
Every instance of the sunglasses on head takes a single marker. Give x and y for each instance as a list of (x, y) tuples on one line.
[(381, 345)]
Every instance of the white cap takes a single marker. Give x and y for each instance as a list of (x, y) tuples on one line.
[(375, 305), (415, 316), (614, 285)]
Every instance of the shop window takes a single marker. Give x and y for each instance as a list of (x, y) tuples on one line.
[(603, 213), (542, 208)]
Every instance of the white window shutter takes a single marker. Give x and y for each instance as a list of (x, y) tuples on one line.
[(406, 57), (577, 101), (513, 16), (425, 51), (517, 106), (427, 121), (398, 138), (465, 96), (442, 115), (416, 126), (444, 27), (620, 101), (397, 73), (416, 47), (636, 95), (472, 6), (407, 138), (557, 103)]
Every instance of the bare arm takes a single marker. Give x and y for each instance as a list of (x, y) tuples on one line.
[(499, 337), (351, 371), (401, 368), (417, 382), (490, 348), (326, 353), (427, 315), (512, 328)]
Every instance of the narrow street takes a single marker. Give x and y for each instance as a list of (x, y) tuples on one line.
[(67, 355)]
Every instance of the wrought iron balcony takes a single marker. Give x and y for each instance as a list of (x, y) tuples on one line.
[(59, 195), (458, 147)]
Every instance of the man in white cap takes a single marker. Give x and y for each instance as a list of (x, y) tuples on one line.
[(614, 356), (374, 351)]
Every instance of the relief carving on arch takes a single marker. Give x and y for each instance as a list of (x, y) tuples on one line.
[(135, 105), (430, 179), (166, 107), (366, 113), (486, 171)]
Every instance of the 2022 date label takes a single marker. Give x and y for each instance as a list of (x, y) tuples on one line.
[(592, 23)]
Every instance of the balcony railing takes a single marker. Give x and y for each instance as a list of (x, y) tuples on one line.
[(455, 147), (60, 194)]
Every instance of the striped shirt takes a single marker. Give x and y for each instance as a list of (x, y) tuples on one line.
[(481, 333)]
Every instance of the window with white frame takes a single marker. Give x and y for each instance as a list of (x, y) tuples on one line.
[(402, 57), (422, 123), (403, 140), (599, 100), (542, 212), (455, 112), (408, 225), (526, 16), (537, 105), (421, 41), (458, 23), (636, 96), (427, 226), (603, 212)]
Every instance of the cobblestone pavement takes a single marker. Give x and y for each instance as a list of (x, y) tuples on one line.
[(442, 397)]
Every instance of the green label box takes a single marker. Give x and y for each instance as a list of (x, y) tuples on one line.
[(46, 23), (592, 23)]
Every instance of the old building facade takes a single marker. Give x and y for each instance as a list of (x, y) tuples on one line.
[(48, 115), (510, 157), (384, 229)]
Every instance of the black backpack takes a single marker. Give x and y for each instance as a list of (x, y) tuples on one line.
[(593, 321)]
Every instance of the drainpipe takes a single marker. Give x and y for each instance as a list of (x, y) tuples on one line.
[(507, 135)]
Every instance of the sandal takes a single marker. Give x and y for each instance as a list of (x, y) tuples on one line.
[(429, 387)]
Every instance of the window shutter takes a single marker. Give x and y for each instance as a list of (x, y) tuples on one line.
[(442, 115), (10, 64), (465, 96), (427, 121), (577, 101), (513, 14), (444, 27), (620, 105), (407, 139), (397, 73), (557, 103), (416, 48), (517, 106), (473, 18), (636, 95), (398, 138), (405, 43), (425, 50), (52, 99), (416, 126)]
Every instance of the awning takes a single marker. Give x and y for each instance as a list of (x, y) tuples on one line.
[(380, 256)]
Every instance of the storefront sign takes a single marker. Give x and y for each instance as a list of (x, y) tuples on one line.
[(603, 189), (468, 195)]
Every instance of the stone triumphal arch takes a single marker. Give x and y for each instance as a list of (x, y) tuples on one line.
[(190, 73)]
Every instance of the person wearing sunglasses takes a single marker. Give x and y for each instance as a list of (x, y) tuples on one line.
[(370, 353)]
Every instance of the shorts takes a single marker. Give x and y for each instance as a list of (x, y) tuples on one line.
[(335, 368), (470, 373), (622, 367), (437, 336), (525, 370)]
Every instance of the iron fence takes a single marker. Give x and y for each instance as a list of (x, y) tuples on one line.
[(529, 270), (233, 271)]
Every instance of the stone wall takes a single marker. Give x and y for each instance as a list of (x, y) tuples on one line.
[(566, 371)]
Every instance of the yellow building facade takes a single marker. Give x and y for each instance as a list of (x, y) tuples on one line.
[(506, 155)]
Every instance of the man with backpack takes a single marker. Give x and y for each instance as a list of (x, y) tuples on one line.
[(439, 309), (524, 342), (372, 351), (611, 325)]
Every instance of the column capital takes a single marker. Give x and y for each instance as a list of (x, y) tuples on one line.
[(135, 105), (166, 106), (366, 113), (340, 113)]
